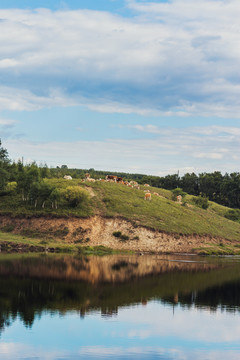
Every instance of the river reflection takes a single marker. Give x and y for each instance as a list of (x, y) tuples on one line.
[(121, 307)]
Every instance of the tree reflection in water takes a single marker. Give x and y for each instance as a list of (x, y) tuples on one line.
[(31, 285)]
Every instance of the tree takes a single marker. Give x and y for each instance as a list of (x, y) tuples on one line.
[(55, 197), (27, 175), (45, 191), (4, 161), (34, 193), (3, 154), (44, 171), (190, 184), (3, 178)]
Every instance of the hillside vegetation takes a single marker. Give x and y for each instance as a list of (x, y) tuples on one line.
[(108, 199), (38, 203)]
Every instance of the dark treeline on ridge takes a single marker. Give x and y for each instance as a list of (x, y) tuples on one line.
[(223, 189)]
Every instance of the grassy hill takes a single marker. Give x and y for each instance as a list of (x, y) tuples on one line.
[(116, 200)]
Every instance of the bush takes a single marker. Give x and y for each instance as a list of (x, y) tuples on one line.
[(75, 195), (176, 192), (233, 214), (120, 236), (202, 202), (7, 228), (11, 187), (124, 237), (117, 234)]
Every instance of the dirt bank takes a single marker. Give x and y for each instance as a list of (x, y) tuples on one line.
[(99, 231)]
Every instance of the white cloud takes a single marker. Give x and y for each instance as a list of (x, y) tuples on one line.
[(20, 99), (177, 58), (210, 155), (161, 151), (7, 122)]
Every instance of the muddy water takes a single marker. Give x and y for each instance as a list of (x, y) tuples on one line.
[(119, 307)]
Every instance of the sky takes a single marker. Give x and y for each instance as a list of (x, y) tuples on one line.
[(135, 86)]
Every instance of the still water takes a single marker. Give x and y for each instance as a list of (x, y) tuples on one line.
[(119, 307)]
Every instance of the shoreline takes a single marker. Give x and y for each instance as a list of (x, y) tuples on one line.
[(107, 235)]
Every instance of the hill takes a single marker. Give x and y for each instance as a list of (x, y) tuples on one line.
[(117, 216)]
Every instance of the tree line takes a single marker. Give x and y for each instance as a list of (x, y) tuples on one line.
[(28, 180)]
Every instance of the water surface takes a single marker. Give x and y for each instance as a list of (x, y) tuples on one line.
[(121, 307)]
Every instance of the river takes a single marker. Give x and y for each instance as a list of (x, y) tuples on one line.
[(119, 307)]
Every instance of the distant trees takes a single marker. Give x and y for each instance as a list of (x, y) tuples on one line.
[(4, 162)]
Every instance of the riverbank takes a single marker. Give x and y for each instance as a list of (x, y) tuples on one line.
[(106, 235)]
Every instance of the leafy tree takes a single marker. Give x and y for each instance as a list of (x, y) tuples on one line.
[(27, 175), (3, 154), (4, 175), (4, 162), (34, 193), (190, 183), (45, 191), (55, 197), (44, 171)]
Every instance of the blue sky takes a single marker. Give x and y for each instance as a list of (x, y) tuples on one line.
[(127, 85)]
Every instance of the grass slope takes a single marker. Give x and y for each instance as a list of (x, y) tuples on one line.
[(111, 200)]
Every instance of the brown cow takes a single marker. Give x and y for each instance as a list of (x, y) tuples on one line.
[(147, 196), (113, 178), (179, 198)]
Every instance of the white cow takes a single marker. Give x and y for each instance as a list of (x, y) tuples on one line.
[(67, 177)]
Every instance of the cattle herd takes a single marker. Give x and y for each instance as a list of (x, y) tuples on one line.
[(118, 180)]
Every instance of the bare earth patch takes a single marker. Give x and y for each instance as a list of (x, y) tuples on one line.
[(99, 231)]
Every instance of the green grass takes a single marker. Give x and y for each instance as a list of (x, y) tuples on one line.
[(115, 200), (58, 246), (163, 214), (220, 249)]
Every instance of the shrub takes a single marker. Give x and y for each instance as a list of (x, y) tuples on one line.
[(75, 195), (117, 234), (11, 187), (7, 228), (202, 202), (124, 237), (61, 232), (233, 214), (120, 236), (176, 192)]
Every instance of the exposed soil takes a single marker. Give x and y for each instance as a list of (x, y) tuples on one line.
[(99, 231)]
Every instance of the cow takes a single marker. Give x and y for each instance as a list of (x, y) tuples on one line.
[(147, 196), (146, 185), (136, 187), (179, 198), (114, 178), (67, 177), (155, 193)]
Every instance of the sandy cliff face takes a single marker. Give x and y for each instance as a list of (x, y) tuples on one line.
[(99, 231)]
